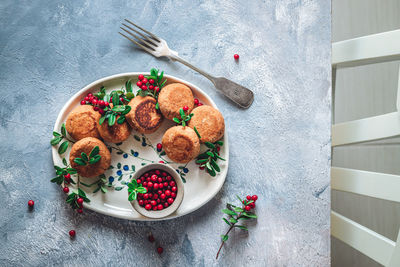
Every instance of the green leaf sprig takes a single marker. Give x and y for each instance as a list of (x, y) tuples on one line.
[(61, 172), (58, 137), (72, 198), (209, 158), (120, 108), (91, 159), (184, 118), (235, 214), (134, 188), (158, 82)]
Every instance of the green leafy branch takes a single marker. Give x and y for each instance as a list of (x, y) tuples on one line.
[(134, 188), (91, 159), (58, 137), (158, 82), (61, 172), (72, 198), (209, 158), (235, 214), (184, 118)]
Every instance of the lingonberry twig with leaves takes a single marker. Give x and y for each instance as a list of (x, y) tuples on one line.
[(209, 158), (91, 159), (236, 214), (184, 118), (134, 188), (151, 85), (58, 137)]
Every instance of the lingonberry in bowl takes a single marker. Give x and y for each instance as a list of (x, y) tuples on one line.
[(160, 200)]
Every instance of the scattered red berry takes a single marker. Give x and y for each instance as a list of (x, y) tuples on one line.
[(157, 89), (101, 111), (200, 104), (196, 101), (151, 81), (80, 201), (79, 210), (252, 205), (144, 81), (247, 208), (106, 103), (66, 190), (144, 87), (151, 87), (89, 94), (72, 233), (96, 108), (147, 207), (185, 108), (67, 176), (139, 84), (83, 102), (160, 250), (141, 77), (159, 146), (248, 197), (151, 238), (170, 200), (31, 203), (236, 56), (254, 197)]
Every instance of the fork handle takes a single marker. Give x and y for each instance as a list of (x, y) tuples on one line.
[(235, 92)]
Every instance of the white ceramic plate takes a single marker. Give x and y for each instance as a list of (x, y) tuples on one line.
[(200, 187)]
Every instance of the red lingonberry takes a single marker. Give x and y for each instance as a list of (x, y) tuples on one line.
[(151, 81), (139, 84), (147, 207), (106, 103), (66, 189), (247, 208), (236, 56), (196, 101), (157, 89), (80, 201), (31, 203), (248, 197), (160, 250), (170, 200), (151, 238), (141, 77), (185, 108), (254, 197), (72, 233), (83, 102), (144, 87), (144, 81), (160, 207), (79, 210)]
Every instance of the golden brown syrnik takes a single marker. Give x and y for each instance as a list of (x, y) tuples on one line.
[(144, 116), (116, 133), (82, 122), (86, 145), (181, 144), (209, 122), (173, 97)]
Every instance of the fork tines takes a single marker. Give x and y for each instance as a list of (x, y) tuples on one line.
[(147, 41)]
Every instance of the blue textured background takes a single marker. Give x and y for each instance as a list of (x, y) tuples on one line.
[(280, 147)]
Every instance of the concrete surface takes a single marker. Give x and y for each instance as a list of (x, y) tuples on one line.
[(280, 147)]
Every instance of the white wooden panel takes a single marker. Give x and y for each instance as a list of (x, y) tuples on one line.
[(374, 245), (368, 49), (395, 260), (373, 184), (368, 129)]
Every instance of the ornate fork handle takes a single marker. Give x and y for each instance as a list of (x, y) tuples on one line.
[(235, 92)]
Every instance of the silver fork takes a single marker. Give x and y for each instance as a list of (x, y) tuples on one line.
[(158, 47)]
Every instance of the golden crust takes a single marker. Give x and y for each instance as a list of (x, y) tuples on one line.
[(209, 122), (143, 116), (114, 134), (86, 145), (181, 144), (173, 97), (82, 122)]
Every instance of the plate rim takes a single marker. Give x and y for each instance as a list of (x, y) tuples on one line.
[(124, 74)]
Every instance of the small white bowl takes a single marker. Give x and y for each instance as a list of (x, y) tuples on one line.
[(157, 214)]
